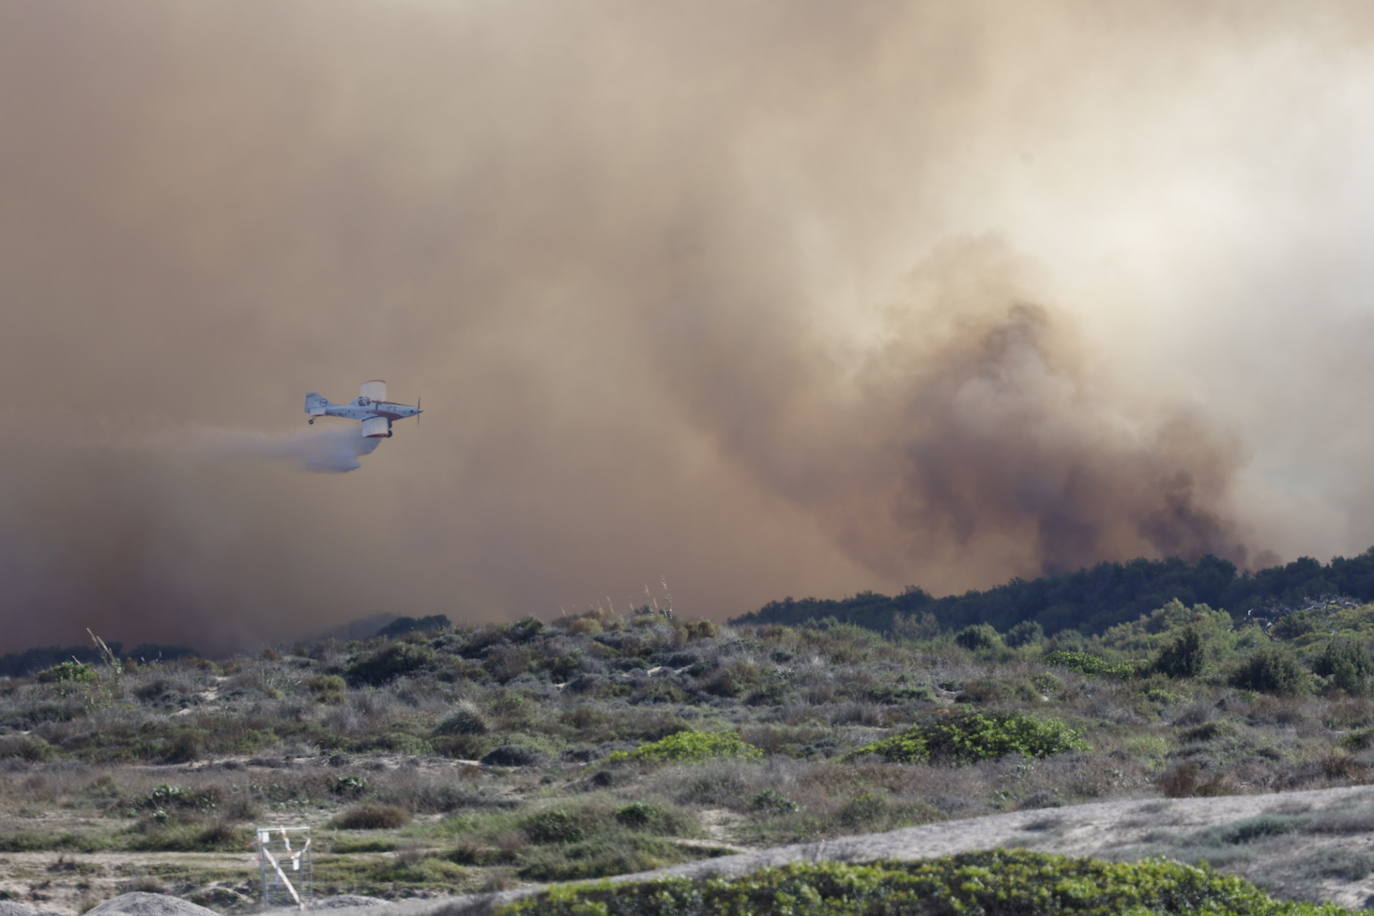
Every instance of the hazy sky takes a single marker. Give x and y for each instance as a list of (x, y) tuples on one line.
[(761, 298)]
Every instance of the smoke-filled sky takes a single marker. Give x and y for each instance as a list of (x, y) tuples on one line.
[(758, 298)]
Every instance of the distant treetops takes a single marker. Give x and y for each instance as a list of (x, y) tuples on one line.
[(1094, 599)]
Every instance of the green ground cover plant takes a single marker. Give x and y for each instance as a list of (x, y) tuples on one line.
[(1002, 882), (689, 746), (1087, 663), (967, 737), (70, 672)]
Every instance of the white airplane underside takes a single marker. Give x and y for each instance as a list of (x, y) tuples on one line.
[(370, 407)]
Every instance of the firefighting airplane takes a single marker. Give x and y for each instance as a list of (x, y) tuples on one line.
[(370, 406)]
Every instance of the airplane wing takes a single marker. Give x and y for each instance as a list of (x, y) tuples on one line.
[(374, 389)]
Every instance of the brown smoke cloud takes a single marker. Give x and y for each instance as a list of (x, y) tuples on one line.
[(764, 298)]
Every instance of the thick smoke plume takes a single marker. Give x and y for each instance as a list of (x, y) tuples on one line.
[(769, 298), (981, 434), (1011, 448)]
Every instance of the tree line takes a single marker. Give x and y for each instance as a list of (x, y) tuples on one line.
[(1094, 599)]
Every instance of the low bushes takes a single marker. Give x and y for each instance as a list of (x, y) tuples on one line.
[(216, 836), (372, 817), (1347, 665), (390, 662), (573, 840), (558, 825), (978, 638), (72, 672), (1271, 670), (968, 737), (466, 719), (26, 747), (1183, 657), (1087, 663), (1004, 882), (689, 746)]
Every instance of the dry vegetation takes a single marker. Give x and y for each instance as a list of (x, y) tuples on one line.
[(468, 759)]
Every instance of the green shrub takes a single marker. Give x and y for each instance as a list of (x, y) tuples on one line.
[(771, 801), (996, 691), (185, 746), (372, 817), (349, 786), (72, 672), (1208, 731), (461, 747), (559, 825), (397, 742), (1358, 740), (1025, 633), (413, 870), (20, 841), (1347, 665), (1047, 684), (1298, 623), (1251, 829), (173, 796), (700, 629), (639, 814), (1162, 697), (995, 883), (1270, 670), (597, 858), (525, 629), (966, 737), (735, 678), (26, 747), (190, 837), (1339, 863), (326, 688), (365, 844), (465, 720), (861, 810), (689, 747), (513, 755), (978, 637), (1183, 657), (404, 625), (390, 662), (1087, 663), (898, 694)]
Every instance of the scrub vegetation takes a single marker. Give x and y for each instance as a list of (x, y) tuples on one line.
[(438, 759), (1002, 882)]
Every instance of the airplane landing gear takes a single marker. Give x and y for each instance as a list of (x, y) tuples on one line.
[(310, 422)]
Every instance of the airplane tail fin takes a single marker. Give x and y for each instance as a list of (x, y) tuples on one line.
[(315, 404)]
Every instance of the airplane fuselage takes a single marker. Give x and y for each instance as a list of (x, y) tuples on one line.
[(370, 408), (361, 408)]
